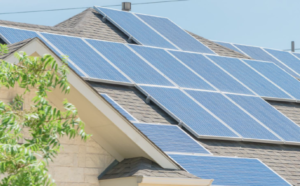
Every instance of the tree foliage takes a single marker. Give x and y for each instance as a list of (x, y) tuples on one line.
[(25, 163)]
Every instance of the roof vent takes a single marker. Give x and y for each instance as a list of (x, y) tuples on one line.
[(293, 46), (126, 6)]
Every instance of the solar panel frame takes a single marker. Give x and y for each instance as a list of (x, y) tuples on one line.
[(167, 36), (260, 82), (238, 173), (182, 134), (266, 56), (289, 64), (172, 68), (233, 138), (283, 126), (230, 46), (127, 32), (288, 78), (251, 130), (136, 68), (118, 107), (113, 76), (216, 83)]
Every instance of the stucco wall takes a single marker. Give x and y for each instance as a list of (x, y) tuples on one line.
[(79, 163)]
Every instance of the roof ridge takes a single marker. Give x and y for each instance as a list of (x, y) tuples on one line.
[(69, 23)]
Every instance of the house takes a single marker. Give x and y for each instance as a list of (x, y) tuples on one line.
[(165, 122)]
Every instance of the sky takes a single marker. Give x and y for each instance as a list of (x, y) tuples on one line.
[(265, 23)]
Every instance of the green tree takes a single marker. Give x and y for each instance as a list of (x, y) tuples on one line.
[(26, 163)]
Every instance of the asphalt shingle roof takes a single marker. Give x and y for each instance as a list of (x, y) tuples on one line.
[(14, 47), (143, 167), (283, 159)]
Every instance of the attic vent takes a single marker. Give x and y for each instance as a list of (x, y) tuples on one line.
[(126, 6)]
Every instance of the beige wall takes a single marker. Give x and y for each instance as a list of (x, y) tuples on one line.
[(79, 163)]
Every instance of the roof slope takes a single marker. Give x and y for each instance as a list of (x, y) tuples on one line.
[(283, 159), (143, 167), (14, 47), (133, 101)]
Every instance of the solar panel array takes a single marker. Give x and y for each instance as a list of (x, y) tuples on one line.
[(289, 62), (177, 80), (211, 96), (153, 31)]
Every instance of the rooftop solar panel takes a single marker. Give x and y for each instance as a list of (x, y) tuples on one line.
[(211, 72), (288, 59), (249, 77), (278, 76), (233, 116), (175, 34), (13, 35), (189, 112), (230, 171), (171, 138), (230, 46), (126, 60), (134, 27), (118, 107), (269, 116), (172, 68), (85, 57), (259, 54)]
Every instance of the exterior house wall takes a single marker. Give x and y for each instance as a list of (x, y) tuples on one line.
[(79, 163)]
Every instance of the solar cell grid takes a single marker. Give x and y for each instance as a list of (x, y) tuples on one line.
[(288, 59), (85, 57), (230, 171), (259, 54), (175, 34), (132, 65), (171, 138), (189, 112), (135, 28), (278, 76), (13, 35), (269, 116), (211, 72), (233, 116), (249, 77), (172, 68)]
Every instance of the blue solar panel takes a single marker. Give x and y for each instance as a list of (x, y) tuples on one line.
[(269, 116), (259, 54), (249, 77), (135, 28), (278, 76), (230, 46), (189, 112), (297, 55), (233, 116), (170, 138), (85, 57), (126, 60), (175, 34), (211, 72), (16, 35), (288, 59), (172, 68), (230, 171), (118, 107)]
